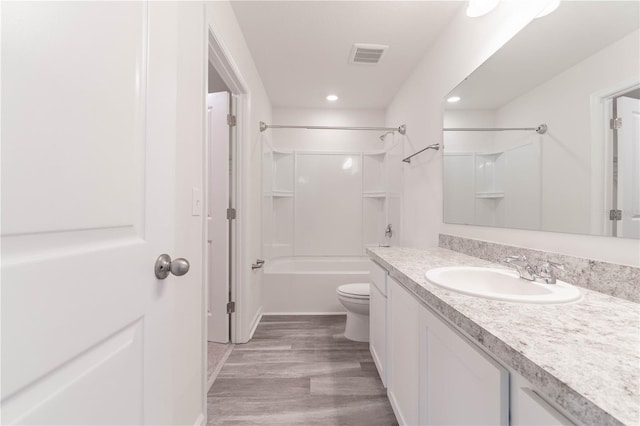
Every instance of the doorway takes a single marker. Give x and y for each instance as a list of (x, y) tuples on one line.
[(226, 107), (625, 160)]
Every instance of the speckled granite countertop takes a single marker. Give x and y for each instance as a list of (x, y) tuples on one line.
[(584, 355)]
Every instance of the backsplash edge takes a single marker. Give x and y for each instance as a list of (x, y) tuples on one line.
[(609, 278)]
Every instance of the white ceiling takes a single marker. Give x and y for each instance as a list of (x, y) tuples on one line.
[(301, 48), (545, 48)]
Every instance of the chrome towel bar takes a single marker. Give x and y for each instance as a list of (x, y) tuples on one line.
[(435, 146)]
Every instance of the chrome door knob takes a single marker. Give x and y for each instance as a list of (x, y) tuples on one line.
[(164, 266)]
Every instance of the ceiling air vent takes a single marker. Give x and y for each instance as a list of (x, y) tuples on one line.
[(368, 54)]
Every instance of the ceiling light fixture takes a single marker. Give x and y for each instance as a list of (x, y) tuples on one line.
[(478, 8), (332, 98), (550, 7), (453, 99)]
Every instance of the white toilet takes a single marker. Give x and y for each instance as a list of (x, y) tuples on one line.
[(355, 297)]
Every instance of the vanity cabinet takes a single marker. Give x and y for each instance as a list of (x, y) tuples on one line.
[(462, 385), (378, 318), (436, 375), (403, 378)]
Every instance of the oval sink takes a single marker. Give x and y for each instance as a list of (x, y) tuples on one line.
[(500, 284)]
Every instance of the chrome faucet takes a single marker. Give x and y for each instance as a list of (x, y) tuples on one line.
[(546, 273), (387, 236), (388, 232), (525, 270)]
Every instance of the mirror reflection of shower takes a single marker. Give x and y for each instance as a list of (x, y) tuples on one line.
[(562, 180)]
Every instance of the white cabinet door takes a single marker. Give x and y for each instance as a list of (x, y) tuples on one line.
[(377, 331), (378, 277), (88, 203), (404, 364), (463, 385)]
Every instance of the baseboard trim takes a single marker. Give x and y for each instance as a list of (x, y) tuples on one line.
[(254, 323), (381, 371), (394, 407), (200, 420), (266, 314)]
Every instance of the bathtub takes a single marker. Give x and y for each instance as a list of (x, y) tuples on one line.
[(307, 285)]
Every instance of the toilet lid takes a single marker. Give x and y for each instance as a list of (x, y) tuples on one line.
[(357, 290)]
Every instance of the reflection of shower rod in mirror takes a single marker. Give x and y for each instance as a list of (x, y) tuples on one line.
[(541, 129), (400, 129)]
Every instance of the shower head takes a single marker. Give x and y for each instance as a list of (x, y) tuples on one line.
[(382, 136)]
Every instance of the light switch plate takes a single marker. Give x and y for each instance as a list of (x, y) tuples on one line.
[(196, 202)]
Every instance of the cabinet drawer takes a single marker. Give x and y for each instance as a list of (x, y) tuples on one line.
[(378, 277)]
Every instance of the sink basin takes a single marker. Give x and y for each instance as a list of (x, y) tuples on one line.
[(500, 284)]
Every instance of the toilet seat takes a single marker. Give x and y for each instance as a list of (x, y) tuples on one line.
[(354, 291), (355, 298)]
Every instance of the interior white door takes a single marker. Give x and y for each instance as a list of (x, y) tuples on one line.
[(88, 102), (629, 167), (218, 107)]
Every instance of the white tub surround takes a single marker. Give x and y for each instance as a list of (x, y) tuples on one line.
[(582, 356), (307, 285)]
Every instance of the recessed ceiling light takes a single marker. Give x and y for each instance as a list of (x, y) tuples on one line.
[(481, 7), (332, 98), (550, 7), (453, 99)]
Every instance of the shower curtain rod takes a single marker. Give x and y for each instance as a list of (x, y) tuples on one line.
[(541, 129), (401, 129)]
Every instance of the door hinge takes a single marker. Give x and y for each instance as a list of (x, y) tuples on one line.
[(615, 214), (231, 120), (231, 213), (616, 123), (231, 307)]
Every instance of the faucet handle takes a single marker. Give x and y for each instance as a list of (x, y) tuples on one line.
[(547, 271), (553, 265), (515, 259)]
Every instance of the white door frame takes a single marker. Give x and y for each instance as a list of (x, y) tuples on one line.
[(601, 153), (221, 60)]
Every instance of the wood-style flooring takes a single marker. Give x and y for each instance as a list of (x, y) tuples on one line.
[(299, 370), (217, 354)]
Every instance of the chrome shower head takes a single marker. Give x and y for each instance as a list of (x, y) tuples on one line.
[(382, 136)]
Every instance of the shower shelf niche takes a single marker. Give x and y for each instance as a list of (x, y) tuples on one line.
[(276, 193), (490, 194)]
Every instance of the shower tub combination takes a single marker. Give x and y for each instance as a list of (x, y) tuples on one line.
[(307, 285)]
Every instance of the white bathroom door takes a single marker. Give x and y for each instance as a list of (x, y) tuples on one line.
[(218, 108), (629, 166), (88, 179)]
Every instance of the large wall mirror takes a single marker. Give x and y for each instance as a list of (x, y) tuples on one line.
[(576, 71)]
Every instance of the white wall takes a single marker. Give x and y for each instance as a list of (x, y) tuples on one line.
[(462, 47), (225, 27), (189, 305)]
